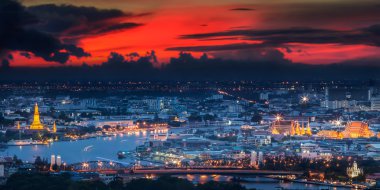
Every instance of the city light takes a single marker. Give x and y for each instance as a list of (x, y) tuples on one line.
[(304, 99)]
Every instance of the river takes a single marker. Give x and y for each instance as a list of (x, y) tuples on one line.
[(78, 151), (107, 147)]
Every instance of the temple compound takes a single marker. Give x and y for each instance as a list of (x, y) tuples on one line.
[(290, 128), (353, 129)]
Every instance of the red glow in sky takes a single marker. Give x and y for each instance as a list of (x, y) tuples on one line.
[(167, 20)]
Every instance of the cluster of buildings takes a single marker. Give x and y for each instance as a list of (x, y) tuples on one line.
[(225, 127)]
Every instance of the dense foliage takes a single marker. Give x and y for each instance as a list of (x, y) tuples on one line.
[(63, 182)]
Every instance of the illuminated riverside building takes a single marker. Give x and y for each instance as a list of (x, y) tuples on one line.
[(354, 129), (290, 128), (354, 171), (36, 124)]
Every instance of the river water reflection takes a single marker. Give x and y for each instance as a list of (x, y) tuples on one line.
[(80, 150), (257, 182), (107, 147)]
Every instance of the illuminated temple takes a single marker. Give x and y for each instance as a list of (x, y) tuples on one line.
[(357, 129), (36, 124), (290, 128), (354, 129)]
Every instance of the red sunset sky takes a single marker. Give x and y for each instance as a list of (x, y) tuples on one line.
[(162, 24)]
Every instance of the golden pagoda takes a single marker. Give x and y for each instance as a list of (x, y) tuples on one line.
[(298, 131), (36, 125), (308, 130), (275, 132), (292, 130), (54, 128), (302, 129), (18, 125)]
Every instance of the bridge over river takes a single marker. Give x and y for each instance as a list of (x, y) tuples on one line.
[(214, 171)]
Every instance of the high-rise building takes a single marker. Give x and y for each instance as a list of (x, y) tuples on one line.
[(375, 103), (52, 160), (59, 160), (261, 157), (253, 158), (36, 124)]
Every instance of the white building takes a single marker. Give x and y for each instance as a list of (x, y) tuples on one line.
[(253, 158), (2, 170), (52, 160), (59, 160), (354, 171), (375, 103)]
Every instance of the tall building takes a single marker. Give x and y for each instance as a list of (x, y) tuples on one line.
[(52, 160), (253, 158), (59, 160), (375, 103), (260, 157), (36, 125)]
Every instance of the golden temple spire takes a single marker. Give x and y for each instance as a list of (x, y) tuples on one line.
[(54, 128), (275, 132), (292, 129), (36, 125), (308, 130), (298, 128), (18, 125), (302, 129)]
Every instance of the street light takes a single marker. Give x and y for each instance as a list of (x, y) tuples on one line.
[(304, 99), (278, 117)]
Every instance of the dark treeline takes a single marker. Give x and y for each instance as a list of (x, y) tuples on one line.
[(63, 182)]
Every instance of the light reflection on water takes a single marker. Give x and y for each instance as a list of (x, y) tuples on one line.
[(257, 182), (75, 151)]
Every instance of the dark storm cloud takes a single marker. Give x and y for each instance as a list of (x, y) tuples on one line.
[(26, 54), (72, 21), (121, 26), (281, 37), (16, 35), (348, 13), (258, 65), (225, 47), (242, 9)]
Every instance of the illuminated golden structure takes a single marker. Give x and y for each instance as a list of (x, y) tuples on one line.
[(289, 128), (36, 125), (54, 128), (331, 134), (302, 129), (18, 125), (354, 129), (357, 129), (308, 130), (298, 130)]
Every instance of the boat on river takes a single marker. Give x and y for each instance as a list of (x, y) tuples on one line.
[(25, 142)]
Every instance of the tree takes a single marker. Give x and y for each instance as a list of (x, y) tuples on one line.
[(116, 185), (256, 118), (212, 185)]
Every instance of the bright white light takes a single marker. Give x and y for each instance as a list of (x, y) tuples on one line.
[(304, 99)]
